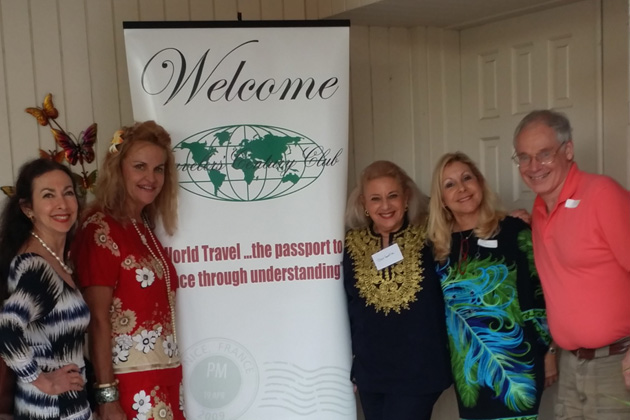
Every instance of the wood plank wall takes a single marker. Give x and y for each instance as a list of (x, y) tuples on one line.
[(75, 49), (405, 100)]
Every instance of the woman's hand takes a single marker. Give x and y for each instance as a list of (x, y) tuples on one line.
[(67, 378), (111, 411), (551, 368), (625, 367)]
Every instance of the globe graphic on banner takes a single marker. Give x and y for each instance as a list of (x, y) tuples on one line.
[(248, 162)]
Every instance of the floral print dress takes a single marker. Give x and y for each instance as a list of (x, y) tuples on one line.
[(144, 349)]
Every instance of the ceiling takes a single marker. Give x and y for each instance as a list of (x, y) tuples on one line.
[(450, 14)]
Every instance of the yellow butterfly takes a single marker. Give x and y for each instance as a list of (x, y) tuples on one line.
[(8, 190), (46, 112)]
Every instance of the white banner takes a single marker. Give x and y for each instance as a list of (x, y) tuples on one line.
[(258, 116)]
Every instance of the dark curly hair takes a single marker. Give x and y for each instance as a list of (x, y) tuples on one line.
[(15, 227)]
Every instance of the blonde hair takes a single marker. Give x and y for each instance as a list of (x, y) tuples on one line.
[(111, 193), (416, 201), (441, 220)]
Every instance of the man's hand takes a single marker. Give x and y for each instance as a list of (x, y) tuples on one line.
[(523, 215), (551, 368)]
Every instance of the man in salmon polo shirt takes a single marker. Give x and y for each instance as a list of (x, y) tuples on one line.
[(581, 236)]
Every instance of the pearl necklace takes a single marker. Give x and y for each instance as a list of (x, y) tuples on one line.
[(162, 262), (65, 267)]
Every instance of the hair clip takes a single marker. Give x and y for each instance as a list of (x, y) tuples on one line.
[(116, 140)]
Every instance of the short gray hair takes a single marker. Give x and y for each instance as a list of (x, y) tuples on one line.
[(553, 119)]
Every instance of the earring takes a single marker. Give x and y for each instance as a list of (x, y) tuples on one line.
[(367, 214)]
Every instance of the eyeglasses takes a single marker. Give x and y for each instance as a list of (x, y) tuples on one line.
[(544, 158)]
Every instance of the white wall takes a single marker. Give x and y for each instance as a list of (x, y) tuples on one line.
[(406, 102), (75, 49)]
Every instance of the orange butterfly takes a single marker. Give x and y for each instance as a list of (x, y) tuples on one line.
[(77, 150), (46, 112), (85, 183), (57, 156)]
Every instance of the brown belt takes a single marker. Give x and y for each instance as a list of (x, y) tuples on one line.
[(618, 347)]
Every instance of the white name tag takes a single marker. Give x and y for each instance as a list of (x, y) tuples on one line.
[(490, 243), (386, 257), (571, 204)]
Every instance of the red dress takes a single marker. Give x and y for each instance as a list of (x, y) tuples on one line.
[(144, 348)]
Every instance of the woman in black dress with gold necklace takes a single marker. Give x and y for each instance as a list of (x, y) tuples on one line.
[(400, 360)]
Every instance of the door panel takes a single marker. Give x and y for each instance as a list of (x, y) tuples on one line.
[(509, 68)]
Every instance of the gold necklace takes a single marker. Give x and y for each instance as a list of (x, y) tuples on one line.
[(165, 268), (47, 248), (395, 287)]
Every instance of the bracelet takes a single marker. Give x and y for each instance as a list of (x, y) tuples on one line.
[(552, 350), (101, 386), (106, 395)]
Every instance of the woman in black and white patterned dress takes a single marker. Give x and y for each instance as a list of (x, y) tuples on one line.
[(43, 322)]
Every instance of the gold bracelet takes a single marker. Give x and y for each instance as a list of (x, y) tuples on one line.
[(101, 386), (626, 369)]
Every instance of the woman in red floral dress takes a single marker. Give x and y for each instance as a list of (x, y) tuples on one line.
[(128, 280)]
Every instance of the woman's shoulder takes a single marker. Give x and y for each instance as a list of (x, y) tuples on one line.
[(29, 263), (98, 220), (511, 224), (96, 217), (99, 230), (357, 232), (29, 259)]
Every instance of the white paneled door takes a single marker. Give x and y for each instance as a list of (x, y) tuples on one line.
[(542, 60)]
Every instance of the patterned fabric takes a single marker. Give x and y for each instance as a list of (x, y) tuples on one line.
[(42, 326), (394, 288), (396, 321), (144, 350), (496, 322)]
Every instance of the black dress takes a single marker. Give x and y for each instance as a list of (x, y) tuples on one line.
[(42, 328), (396, 315), (496, 321)]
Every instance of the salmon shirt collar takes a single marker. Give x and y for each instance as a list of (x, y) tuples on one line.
[(569, 188)]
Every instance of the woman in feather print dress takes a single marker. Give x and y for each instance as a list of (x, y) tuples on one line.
[(43, 322), (495, 316)]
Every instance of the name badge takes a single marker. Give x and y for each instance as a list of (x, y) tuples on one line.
[(489, 243), (386, 257), (571, 204)]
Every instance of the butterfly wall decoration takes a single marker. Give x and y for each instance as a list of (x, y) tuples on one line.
[(74, 150)]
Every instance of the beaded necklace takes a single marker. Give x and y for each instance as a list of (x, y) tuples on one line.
[(47, 248), (162, 262), (464, 248)]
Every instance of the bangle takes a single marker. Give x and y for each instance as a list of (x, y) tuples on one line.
[(106, 395), (101, 386)]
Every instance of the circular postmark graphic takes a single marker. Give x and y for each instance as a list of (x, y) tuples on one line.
[(221, 379)]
